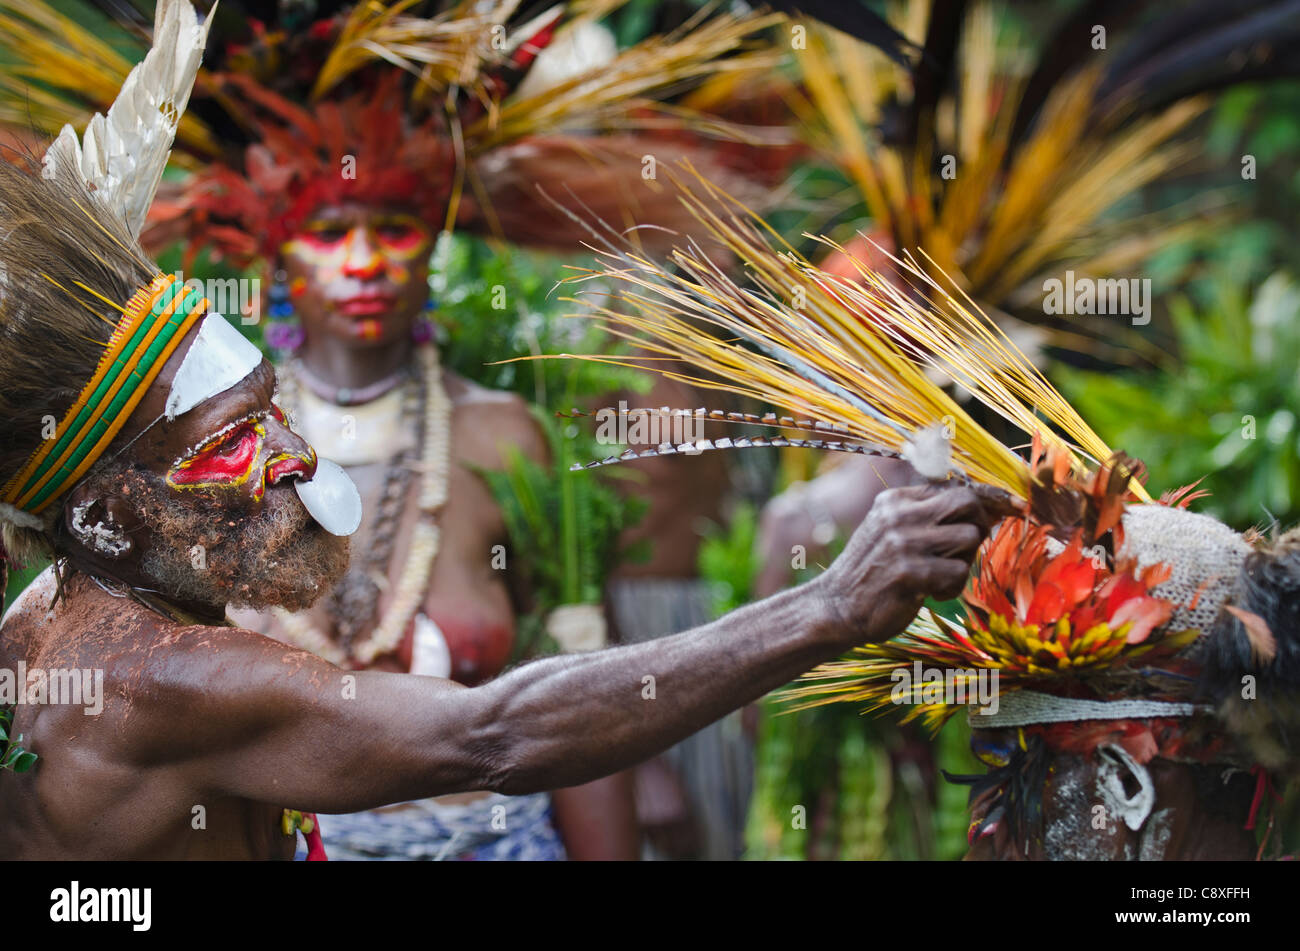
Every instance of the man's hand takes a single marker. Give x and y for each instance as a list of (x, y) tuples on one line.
[(916, 542)]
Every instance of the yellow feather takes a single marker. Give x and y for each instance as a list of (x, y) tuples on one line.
[(854, 353)]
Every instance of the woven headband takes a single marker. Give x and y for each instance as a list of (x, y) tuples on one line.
[(155, 320)]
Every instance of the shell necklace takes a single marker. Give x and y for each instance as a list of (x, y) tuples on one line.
[(434, 469)]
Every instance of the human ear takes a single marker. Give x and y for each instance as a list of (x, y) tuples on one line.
[(99, 523)]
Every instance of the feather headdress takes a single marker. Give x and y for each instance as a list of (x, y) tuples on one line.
[(442, 110), (122, 155), (1009, 169), (86, 320), (844, 356)]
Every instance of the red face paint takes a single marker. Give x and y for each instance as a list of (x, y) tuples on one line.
[(231, 458), (391, 242), (227, 459), (289, 465), (403, 237)]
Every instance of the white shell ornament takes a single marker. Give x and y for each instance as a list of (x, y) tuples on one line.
[(331, 498), (219, 358)]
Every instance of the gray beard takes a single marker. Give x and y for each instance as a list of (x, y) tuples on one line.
[(279, 557)]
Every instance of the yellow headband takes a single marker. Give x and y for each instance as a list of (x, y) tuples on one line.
[(154, 322)]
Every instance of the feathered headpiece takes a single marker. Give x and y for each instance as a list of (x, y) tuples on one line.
[(86, 320), (465, 116), (1008, 167), (1092, 605)]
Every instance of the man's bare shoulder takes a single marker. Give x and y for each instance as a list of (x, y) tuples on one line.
[(164, 688), (32, 602)]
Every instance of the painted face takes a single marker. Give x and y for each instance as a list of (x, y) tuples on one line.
[(236, 457), (231, 445), (359, 273)]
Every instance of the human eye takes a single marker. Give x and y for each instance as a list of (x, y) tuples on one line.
[(325, 232)]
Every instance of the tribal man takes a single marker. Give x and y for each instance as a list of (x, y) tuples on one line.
[(412, 438)]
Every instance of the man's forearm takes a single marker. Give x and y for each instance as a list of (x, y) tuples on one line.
[(566, 720)]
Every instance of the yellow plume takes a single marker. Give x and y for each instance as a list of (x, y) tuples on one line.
[(860, 355)]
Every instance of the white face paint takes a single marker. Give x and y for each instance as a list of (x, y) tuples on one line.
[(331, 498), (218, 359), (105, 538)]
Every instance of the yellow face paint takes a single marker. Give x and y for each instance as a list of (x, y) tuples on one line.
[(382, 246), (231, 456), (226, 458)]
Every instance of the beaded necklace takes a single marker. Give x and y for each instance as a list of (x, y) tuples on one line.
[(434, 468)]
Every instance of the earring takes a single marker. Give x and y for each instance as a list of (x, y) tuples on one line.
[(283, 333), (425, 328)]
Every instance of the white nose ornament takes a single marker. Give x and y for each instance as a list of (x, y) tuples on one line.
[(331, 498)]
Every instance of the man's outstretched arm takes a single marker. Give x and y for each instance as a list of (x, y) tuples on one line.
[(286, 727)]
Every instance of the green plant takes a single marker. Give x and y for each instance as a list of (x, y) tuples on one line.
[(500, 304), (1226, 409), (727, 559), (830, 783), (15, 756), (550, 511)]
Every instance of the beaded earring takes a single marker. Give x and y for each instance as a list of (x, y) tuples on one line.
[(424, 329), (283, 333)]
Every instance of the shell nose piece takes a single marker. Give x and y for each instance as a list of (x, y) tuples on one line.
[(331, 498)]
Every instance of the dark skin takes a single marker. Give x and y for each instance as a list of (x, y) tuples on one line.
[(242, 725), (363, 274), (843, 495)]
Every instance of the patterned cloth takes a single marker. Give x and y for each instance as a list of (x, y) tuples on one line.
[(716, 764), (493, 829)]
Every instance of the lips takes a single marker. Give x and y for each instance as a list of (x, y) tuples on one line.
[(365, 306)]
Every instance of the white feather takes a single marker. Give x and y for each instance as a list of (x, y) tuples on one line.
[(16, 516), (122, 155), (929, 452)]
